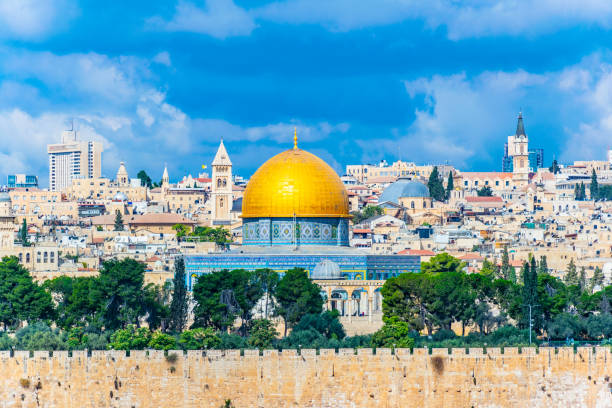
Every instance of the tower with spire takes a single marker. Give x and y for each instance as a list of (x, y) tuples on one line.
[(518, 148), (221, 191), (165, 178)]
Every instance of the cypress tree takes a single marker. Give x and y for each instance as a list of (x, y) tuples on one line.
[(178, 306), (505, 265), (530, 294), (571, 276), (597, 279), (449, 185), (543, 267), (594, 186), (436, 188), (118, 221), (582, 191), (582, 281), (23, 233)]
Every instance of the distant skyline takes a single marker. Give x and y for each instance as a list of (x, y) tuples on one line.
[(162, 81)]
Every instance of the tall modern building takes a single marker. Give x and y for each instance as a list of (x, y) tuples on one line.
[(536, 159), (507, 160), (22, 180), (73, 159)]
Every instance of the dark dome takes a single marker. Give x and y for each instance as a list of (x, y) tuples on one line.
[(403, 187)]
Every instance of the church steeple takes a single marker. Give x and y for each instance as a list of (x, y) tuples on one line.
[(165, 177), (520, 127)]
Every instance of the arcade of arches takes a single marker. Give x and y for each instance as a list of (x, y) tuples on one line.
[(353, 299)]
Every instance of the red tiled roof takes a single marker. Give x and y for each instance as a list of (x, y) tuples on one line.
[(97, 240), (477, 199), (362, 231), (472, 256)]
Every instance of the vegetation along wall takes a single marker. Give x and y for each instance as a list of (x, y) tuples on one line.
[(347, 378)]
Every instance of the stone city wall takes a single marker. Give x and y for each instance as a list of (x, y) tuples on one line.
[(347, 378)]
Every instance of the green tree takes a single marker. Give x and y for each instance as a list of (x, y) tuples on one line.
[(436, 188), (154, 305), (268, 280), (487, 268), (119, 293), (394, 333), (181, 230), (530, 295), (442, 263), (449, 184), (118, 221), (485, 191), (221, 297), (326, 323), (21, 299), (297, 296), (199, 339), (505, 265), (594, 187), (597, 279), (554, 168), (368, 212), (130, 338), (582, 191), (543, 265), (23, 233), (262, 334), (582, 280), (218, 235), (162, 341), (145, 180), (179, 305), (571, 276)]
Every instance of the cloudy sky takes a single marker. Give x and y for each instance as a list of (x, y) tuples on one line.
[(426, 81)]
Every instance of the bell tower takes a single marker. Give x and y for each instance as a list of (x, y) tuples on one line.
[(518, 148), (221, 197)]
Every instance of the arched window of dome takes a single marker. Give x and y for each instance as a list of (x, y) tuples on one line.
[(424, 204), (412, 205)]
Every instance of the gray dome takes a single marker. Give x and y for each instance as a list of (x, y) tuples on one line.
[(4, 197), (326, 269), (403, 187), (120, 197)]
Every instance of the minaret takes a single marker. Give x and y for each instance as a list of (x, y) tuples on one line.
[(518, 146), (221, 197), (7, 227)]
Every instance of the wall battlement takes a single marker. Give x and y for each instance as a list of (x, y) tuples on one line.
[(346, 378)]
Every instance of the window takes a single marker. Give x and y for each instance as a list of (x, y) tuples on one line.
[(38, 257), (45, 257), (28, 258)]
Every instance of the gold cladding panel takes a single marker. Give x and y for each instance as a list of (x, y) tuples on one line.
[(295, 182)]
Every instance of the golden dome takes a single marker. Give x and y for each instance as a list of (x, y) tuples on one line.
[(295, 183)]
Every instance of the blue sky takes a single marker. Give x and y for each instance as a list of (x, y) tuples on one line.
[(436, 81)]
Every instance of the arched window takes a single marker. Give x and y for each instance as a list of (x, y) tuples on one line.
[(412, 204), (218, 182), (224, 182), (45, 257), (27, 258), (424, 204), (221, 202), (20, 257)]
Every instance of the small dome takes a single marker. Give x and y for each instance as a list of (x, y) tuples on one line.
[(120, 197), (4, 197), (326, 269), (403, 187)]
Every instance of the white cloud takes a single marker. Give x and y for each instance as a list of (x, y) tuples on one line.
[(34, 19), (470, 18), (217, 18), (163, 58)]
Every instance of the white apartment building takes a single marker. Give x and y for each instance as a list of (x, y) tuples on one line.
[(73, 159)]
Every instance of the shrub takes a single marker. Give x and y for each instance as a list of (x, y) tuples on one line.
[(393, 333), (24, 382), (130, 338), (199, 339), (162, 341), (39, 336), (263, 333)]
